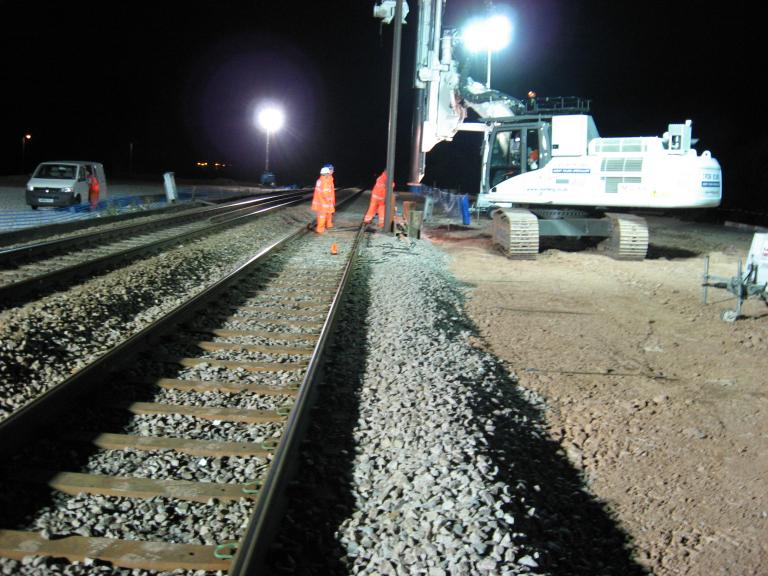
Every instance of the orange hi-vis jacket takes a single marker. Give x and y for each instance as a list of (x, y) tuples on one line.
[(324, 196), (379, 191), (93, 185)]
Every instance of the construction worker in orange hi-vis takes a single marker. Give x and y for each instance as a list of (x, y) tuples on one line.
[(323, 199), (378, 204), (329, 219), (93, 189)]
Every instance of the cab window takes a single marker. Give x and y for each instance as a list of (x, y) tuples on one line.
[(506, 160)]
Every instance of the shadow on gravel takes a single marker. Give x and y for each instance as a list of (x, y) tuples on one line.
[(554, 513), (306, 542), (569, 244), (574, 533), (656, 252)]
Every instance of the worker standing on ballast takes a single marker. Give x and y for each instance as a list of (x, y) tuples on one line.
[(378, 203), (323, 204), (329, 220)]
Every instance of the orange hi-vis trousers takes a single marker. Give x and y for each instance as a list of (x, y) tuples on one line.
[(377, 207), (324, 220)]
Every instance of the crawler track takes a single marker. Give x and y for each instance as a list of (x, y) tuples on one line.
[(197, 427), (629, 237)]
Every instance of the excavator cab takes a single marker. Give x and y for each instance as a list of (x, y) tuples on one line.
[(515, 149)]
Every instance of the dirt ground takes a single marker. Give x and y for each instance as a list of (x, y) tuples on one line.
[(659, 402)]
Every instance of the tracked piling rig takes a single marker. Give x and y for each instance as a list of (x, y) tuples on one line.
[(544, 163)]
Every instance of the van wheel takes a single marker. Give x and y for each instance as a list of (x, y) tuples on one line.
[(76, 199), (33, 207)]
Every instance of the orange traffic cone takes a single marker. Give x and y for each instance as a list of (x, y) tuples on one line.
[(334, 248)]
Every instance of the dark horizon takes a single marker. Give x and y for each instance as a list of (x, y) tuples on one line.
[(179, 84)]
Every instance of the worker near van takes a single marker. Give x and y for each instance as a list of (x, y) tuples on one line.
[(323, 204), (378, 203), (93, 189)]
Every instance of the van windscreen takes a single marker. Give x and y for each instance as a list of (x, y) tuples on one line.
[(61, 171)]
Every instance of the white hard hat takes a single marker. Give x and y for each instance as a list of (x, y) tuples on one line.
[(325, 170)]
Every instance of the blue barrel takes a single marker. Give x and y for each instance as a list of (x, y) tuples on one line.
[(464, 205)]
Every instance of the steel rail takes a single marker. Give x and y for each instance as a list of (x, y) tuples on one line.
[(67, 244), (27, 234), (31, 422), (264, 520), (24, 422), (30, 286), (20, 235)]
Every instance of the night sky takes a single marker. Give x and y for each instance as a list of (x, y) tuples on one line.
[(180, 81)]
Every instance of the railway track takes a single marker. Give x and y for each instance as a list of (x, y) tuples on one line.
[(171, 451), (28, 270)]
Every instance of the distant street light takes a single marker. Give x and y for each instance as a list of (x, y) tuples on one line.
[(24, 150), (270, 119), (488, 35)]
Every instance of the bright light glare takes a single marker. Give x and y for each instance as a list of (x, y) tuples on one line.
[(490, 34), (271, 119)]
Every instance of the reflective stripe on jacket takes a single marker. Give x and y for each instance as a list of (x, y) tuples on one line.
[(323, 198), (379, 191)]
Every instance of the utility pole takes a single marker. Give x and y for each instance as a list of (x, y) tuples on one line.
[(24, 139), (393, 93)]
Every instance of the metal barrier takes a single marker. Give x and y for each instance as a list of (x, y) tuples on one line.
[(445, 203)]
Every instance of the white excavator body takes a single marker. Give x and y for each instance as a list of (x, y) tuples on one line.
[(581, 169)]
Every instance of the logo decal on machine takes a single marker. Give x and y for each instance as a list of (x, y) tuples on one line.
[(710, 180), (571, 170)]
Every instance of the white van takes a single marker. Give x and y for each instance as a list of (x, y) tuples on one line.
[(64, 183)]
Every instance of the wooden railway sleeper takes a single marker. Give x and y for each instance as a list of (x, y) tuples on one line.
[(131, 487), (132, 554), (17, 544)]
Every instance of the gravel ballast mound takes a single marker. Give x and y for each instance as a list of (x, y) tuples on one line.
[(425, 457)]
